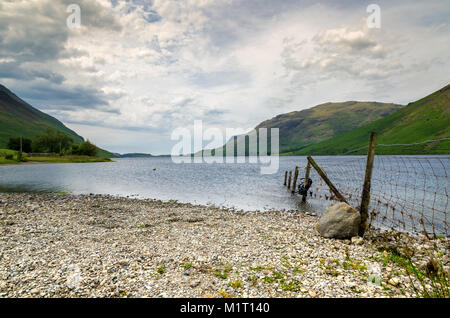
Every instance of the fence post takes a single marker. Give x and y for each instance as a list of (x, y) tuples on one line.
[(294, 184), (323, 175), (289, 182), (308, 169), (285, 178), (365, 198)]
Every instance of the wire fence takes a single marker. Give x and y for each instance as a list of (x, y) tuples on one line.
[(408, 193)]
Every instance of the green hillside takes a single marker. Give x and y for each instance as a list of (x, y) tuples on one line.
[(300, 129), (18, 118), (424, 120)]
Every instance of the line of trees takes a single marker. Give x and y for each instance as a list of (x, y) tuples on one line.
[(53, 141)]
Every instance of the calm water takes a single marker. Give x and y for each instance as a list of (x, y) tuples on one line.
[(397, 179), (240, 186)]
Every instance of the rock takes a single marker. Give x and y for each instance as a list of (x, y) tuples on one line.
[(194, 284), (34, 291), (312, 293), (394, 281), (339, 221), (356, 240)]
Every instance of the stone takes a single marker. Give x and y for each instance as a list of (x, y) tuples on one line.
[(339, 221), (356, 240), (394, 281)]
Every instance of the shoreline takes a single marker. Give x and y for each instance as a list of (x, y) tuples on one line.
[(33, 162), (63, 245)]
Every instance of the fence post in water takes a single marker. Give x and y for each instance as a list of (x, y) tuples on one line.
[(294, 184), (289, 182), (323, 175), (365, 198), (308, 169), (285, 178)]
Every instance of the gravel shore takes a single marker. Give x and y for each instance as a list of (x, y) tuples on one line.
[(60, 245)]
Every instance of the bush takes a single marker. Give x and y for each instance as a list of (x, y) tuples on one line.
[(85, 149), (9, 157)]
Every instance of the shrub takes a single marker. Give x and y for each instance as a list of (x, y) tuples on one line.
[(85, 149)]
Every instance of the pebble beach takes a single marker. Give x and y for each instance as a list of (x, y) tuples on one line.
[(63, 245)]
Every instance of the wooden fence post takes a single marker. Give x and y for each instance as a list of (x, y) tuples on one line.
[(285, 178), (308, 169), (365, 198), (289, 182), (323, 175), (295, 179)]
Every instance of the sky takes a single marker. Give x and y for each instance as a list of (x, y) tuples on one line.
[(136, 70)]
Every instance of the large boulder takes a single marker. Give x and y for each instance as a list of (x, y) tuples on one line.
[(340, 221)]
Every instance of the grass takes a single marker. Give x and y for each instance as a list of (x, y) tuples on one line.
[(186, 265), (68, 159), (10, 157), (28, 121), (300, 129), (423, 120), (433, 279), (161, 270), (236, 284), (223, 274)]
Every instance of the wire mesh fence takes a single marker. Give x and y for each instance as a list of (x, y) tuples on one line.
[(408, 193)]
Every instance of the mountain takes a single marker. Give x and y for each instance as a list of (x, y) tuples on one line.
[(18, 118), (299, 129), (418, 122), (135, 155)]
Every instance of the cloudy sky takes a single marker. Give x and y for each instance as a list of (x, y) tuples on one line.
[(137, 69)]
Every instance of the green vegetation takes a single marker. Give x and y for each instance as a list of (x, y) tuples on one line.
[(18, 118), (161, 270), (67, 159), (432, 279), (236, 284), (423, 120), (8, 156), (15, 144), (222, 273), (299, 129), (52, 142), (186, 265)]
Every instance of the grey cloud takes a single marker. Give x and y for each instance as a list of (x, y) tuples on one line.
[(68, 98), (37, 32), (13, 71)]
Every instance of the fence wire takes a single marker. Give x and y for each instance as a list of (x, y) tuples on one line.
[(408, 193)]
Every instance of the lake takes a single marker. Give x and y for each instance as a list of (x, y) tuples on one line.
[(398, 182)]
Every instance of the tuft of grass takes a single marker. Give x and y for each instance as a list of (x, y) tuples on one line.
[(186, 265), (433, 279), (224, 294), (161, 270), (236, 284), (223, 274)]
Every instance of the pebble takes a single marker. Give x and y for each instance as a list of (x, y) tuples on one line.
[(107, 246)]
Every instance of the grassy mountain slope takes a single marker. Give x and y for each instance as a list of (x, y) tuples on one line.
[(302, 128), (423, 120), (18, 118)]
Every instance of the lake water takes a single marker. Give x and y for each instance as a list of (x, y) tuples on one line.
[(239, 186)]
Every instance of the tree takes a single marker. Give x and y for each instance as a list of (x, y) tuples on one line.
[(52, 142), (85, 149), (14, 144)]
